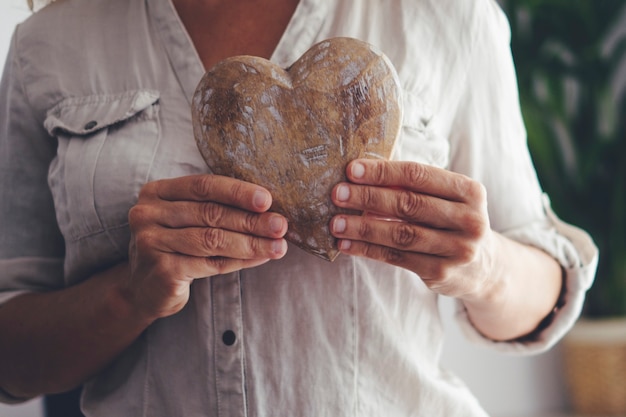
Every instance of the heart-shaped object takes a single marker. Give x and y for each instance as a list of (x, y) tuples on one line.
[(293, 131)]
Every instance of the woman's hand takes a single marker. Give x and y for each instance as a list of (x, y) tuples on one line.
[(195, 227), (425, 219), (435, 222), (181, 229)]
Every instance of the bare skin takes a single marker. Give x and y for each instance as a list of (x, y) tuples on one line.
[(440, 230), (198, 226), (244, 27)]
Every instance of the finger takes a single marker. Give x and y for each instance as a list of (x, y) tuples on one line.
[(417, 177), (215, 188), (200, 267), (211, 242), (431, 269), (381, 253), (181, 214), (405, 205), (396, 234)]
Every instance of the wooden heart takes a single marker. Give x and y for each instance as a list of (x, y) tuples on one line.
[(293, 131)]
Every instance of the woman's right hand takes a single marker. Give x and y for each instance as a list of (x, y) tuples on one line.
[(195, 227)]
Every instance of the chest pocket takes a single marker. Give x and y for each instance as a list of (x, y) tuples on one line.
[(106, 147), (418, 141)]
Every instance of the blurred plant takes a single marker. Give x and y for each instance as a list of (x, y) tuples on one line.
[(570, 57)]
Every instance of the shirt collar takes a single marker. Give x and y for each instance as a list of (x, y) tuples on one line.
[(299, 35), (301, 32), (182, 55)]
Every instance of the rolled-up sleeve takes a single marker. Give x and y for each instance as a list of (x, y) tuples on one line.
[(489, 144), (577, 254), (31, 246)]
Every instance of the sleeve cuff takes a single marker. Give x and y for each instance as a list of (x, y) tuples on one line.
[(23, 275), (29, 274), (574, 249)]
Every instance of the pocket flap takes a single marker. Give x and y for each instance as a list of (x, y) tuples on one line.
[(417, 113), (87, 114), (419, 141)]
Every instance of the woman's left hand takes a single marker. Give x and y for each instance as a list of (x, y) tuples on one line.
[(426, 219)]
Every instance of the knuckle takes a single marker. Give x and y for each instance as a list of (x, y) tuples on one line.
[(472, 190), (218, 264), (214, 239), (237, 191), (404, 235), (202, 186), (369, 197), (164, 267), (393, 256), (466, 253), (368, 252), (212, 214), (250, 222), (364, 230), (439, 272), (409, 205), (384, 253), (253, 247), (416, 173), (475, 225), (145, 240), (380, 173), (148, 190), (477, 191), (138, 215)]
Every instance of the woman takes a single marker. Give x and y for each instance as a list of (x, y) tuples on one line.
[(169, 291)]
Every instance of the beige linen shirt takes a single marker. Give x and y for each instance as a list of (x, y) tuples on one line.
[(95, 102)]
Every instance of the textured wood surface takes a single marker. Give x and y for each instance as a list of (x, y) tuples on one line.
[(293, 131)]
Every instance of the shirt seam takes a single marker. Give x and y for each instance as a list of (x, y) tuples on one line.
[(239, 308), (355, 338), (104, 230), (243, 347), (146, 383), (100, 98), (158, 27), (18, 63), (477, 30), (218, 399)]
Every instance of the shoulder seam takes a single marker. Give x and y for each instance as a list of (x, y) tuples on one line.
[(18, 65)]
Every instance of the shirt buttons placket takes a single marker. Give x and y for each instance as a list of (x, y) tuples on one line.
[(228, 360), (229, 337)]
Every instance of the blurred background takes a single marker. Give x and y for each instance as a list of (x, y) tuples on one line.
[(570, 57)]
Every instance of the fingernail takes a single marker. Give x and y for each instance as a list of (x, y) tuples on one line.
[(276, 224), (260, 199), (343, 193), (357, 170), (279, 246), (345, 244), (339, 225)]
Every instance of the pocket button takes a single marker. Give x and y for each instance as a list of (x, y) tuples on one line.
[(90, 125)]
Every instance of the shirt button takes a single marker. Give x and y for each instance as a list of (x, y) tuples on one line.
[(229, 337), (90, 125)]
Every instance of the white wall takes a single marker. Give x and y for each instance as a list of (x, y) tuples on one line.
[(11, 12), (29, 409), (506, 386)]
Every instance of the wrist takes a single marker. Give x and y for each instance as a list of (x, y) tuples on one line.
[(520, 294), (122, 300)]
